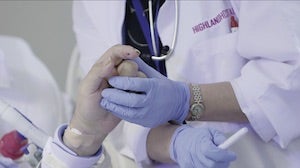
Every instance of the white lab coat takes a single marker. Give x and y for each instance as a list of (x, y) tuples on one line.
[(261, 60), (27, 84)]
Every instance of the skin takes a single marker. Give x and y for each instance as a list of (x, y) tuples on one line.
[(92, 120), (89, 117), (220, 105), (129, 68)]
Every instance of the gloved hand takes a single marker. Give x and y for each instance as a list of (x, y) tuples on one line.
[(148, 70), (197, 147), (147, 101), (88, 111)]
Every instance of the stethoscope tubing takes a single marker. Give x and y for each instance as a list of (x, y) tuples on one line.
[(171, 49)]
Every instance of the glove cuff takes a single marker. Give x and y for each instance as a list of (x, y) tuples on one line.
[(172, 147), (185, 100)]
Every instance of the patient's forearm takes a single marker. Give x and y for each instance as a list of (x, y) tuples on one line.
[(158, 142)]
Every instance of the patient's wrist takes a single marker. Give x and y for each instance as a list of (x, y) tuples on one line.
[(81, 143), (84, 138)]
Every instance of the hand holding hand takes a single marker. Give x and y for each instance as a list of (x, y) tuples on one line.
[(147, 101), (129, 68), (197, 147), (89, 117)]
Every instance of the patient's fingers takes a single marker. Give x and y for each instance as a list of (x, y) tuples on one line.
[(119, 52), (105, 66)]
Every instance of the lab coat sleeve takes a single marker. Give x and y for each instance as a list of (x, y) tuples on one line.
[(268, 89), (56, 154)]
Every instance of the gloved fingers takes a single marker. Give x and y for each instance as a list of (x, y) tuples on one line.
[(120, 111), (213, 153), (204, 146), (224, 155), (148, 70), (121, 116), (218, 136), (130, 83), (212, 164), (190, 163), (199, 160), (221, 165), (219, 155), (124, 98)]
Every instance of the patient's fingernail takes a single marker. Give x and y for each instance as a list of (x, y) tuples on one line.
[(137, 51)]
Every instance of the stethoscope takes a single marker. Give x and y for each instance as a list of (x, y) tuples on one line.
[(153, 32), (170, 50)]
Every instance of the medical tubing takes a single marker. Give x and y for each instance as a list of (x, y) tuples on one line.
[(174, 39), (21, 123), (152, 27)]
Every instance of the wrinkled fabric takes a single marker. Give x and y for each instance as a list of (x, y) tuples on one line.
[(260, 59)]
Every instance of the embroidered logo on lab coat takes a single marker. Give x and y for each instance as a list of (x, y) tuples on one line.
[(226, 13)]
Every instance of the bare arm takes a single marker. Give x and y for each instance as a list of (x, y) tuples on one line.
[(220, 103), (160, 151)]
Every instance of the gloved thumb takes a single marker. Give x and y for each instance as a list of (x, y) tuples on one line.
[(217, 154), (218, 137), (135, 84), (148, 70)]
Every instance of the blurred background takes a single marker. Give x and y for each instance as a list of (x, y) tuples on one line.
[(46, 26)]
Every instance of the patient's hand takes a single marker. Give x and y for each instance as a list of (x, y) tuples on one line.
[(129, 68), (89, 117)]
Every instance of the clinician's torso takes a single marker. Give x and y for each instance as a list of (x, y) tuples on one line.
[(205, 52), (205, 46)]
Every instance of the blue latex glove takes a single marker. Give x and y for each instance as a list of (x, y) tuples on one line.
[(148, 70), (197, 147), (148, 101)]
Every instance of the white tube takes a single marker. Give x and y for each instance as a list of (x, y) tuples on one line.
[(22, 124), (233, 138)]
